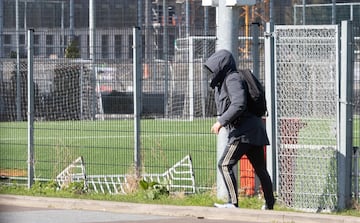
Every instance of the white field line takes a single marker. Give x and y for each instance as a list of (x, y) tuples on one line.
[(104, 137)]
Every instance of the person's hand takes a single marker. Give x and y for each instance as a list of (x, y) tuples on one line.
[(216, 127)]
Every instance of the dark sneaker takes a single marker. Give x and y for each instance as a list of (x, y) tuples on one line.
[(266, 207)]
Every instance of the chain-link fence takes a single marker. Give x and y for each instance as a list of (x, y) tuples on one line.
[(306, 63), (356, 115), (84, 106), (307, 112)]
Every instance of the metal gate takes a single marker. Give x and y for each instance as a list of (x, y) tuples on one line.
[(306, 131)]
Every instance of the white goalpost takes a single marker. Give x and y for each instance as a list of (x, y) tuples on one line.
[(189, 79)]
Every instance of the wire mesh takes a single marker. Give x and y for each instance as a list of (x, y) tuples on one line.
[(356, 114), (306, 100)]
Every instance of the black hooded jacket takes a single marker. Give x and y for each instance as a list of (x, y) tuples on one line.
[(231, 100)]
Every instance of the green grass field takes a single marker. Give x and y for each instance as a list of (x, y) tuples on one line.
[(107, 146), (308, 170), (356, 133)]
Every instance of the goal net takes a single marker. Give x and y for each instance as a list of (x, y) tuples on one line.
[(63, 90), (189, 92)]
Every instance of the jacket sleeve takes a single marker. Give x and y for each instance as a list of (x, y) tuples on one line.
[(236, 91)]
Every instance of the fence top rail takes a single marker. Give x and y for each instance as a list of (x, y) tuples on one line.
[(326, 4), (214, 38), (305, 26)]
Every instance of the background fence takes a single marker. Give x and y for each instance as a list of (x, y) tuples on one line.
[(84, 107)]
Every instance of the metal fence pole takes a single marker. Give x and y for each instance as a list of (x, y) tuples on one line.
[(227, 38), (166, 55), (62, 36), (92, 47), (81, 92), (137, 96), (71, 20), (187, 19), (345, 116), (333, 12), (191, 78), (304, 12), (271, 12), (256, 70), (1, 39), (18, 77), (255, 49), (295, 15), (356, 173), (1, 30), (30, 104), (270, 98)]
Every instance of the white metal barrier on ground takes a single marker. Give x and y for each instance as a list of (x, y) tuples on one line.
[(178, 178), (75, 172)]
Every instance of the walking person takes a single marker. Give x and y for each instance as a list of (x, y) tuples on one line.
[(247, 134)]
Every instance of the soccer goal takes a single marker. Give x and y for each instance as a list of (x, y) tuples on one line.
[(63, 90), (189, 92)]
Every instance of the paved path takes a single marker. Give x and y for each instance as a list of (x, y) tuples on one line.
[(18, 214), (27, 209)]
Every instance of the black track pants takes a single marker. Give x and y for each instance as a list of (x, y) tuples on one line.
[(232, 154)]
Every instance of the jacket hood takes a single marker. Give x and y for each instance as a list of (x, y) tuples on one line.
[(220, 64)]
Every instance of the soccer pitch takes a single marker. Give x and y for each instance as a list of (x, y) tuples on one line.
[(108, 146)]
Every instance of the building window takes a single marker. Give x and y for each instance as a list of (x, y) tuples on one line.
[(36, 39), (88, 46), (36, 45), (49, 40), (130, 48), (22, 39), (7, 39), (118, 42), (49, 44), (65, 38), (105, 46)]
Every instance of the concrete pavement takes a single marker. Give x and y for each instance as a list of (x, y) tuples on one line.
[(69, 210), (18, 214)]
